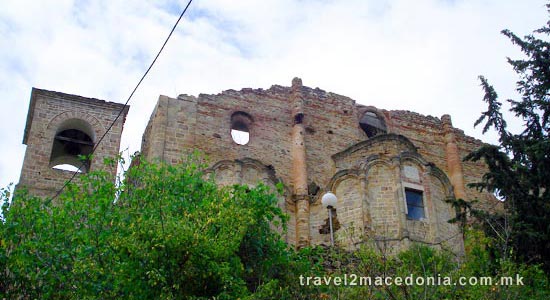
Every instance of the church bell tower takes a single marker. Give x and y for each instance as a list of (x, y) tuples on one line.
[(61, 132)]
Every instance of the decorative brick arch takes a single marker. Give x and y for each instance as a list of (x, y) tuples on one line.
[(238, 165), (430, 168), (443, 178), (375, 160), (339, 177), (395, 143), (96, 126)]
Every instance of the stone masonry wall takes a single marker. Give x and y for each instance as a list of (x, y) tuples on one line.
[(371, 199), (426, 132)]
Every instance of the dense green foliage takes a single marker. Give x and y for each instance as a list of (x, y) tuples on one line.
[(172, 234), (169, 234), (519, 166)]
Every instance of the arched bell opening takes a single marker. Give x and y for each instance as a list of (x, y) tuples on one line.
[(72, 146)]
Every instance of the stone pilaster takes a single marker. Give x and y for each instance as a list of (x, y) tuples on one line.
[(454, 162), (299, 167)]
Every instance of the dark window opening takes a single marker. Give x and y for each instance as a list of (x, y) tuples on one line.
[(372, 124), (299, 118), (313, 189), (415, 204)]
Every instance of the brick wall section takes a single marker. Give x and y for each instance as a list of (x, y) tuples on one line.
[(204, 123), (473, 172), (47, 111), (331, 126), (425, 132), (381, 190)]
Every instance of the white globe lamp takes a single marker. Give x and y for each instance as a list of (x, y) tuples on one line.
[(329, 202)]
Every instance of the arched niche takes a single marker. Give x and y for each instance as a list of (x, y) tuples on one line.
[(349, 210), (349, 214), (448, 234), (251, 172)]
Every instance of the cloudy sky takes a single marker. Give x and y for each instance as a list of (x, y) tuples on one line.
[(422, 55)]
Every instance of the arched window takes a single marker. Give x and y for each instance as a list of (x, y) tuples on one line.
[(72, 144), (240, 127), (372, 124)]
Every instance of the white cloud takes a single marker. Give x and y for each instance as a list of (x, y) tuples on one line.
[(417, 55)]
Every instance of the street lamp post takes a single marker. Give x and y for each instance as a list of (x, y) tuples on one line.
[(329, 201)]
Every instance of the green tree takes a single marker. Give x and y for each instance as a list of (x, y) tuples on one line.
[(168, 233), (519, 166)]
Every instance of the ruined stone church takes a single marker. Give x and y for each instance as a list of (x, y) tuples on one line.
[(390, 170)]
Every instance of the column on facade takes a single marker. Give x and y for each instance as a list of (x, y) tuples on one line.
[(299, 166)]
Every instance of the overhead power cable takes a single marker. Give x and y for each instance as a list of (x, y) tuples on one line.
[(126, 103)]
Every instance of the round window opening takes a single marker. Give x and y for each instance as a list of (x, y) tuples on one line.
[(240, 123)]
